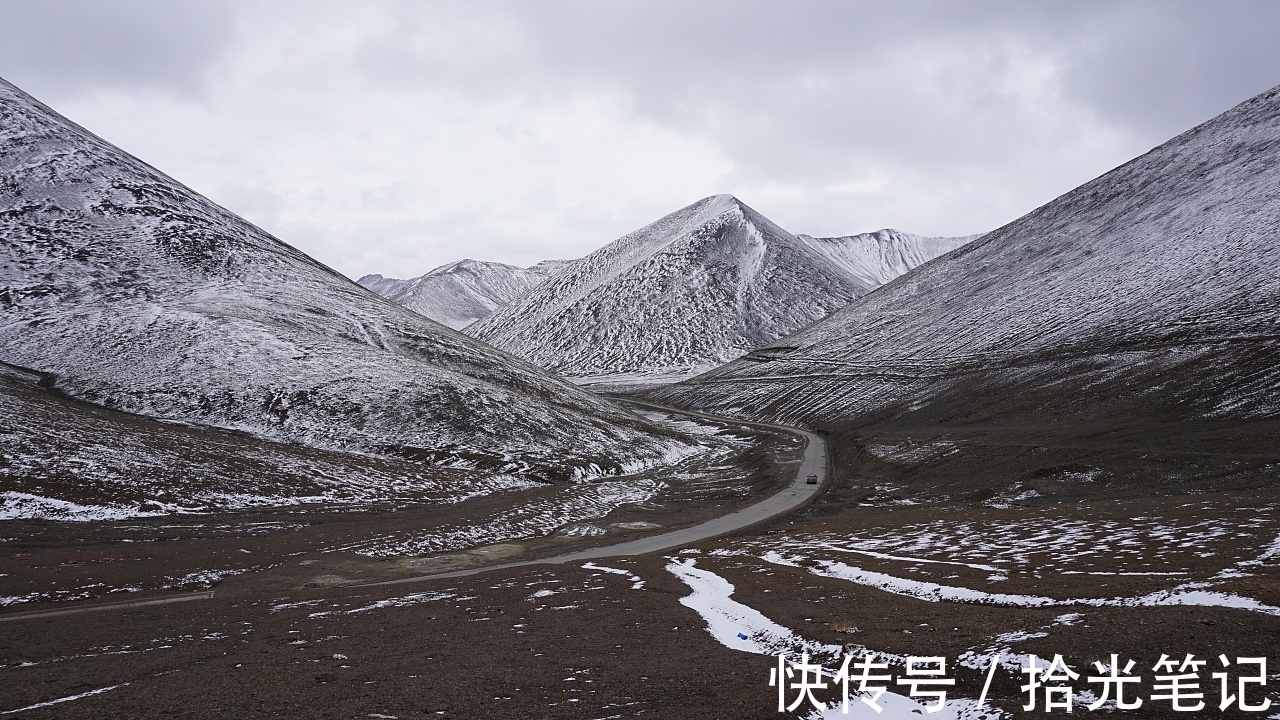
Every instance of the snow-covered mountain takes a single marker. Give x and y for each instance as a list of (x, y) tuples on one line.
[(64, 459), (384, 286), (1152, 292), (875, 258), (138, 294), (697, 288), (550, 267), (462, 292)]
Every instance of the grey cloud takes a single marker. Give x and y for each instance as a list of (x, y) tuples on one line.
[(735, 72), (1151, 67), (930, 97), (58, 48), (1163, 67)]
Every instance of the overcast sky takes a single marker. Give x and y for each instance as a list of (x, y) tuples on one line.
[(393, 137)]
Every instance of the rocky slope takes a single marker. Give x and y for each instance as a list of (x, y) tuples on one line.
[(1149, 295), (876, 258), (462, 292), (63, 459), (697, 288), (131, 291)]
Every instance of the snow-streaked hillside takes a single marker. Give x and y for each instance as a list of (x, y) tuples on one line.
[(876, 258), (697, 288), (63, 459), (1153, 291), (140, 295), (462, 292)]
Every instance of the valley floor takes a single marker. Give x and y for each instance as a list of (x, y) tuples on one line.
[(889, 562)]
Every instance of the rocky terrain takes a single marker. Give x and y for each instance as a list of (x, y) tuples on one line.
[(876, 258), (1145, 302), (463, 292), (699, 287), (123, 288), (1060, 440)]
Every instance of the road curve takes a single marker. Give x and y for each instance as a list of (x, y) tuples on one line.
[(794, 495)]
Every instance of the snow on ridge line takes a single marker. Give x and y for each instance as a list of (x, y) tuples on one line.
[(700, 286), (464, 291), (1173, 249), (214, 322), (879, 257)]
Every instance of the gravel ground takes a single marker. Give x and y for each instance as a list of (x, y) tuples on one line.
[(870, 568)]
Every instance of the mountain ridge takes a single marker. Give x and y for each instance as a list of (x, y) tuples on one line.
[(878, 257), (698, 287), (1151, 290), (141, 295), (459, 293)]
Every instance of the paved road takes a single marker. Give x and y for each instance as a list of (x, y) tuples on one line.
[(121, 605), (795, 494)]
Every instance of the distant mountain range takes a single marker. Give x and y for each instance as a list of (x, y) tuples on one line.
[(695, 332), (1147, 298), (462, 292), (128, 290), (1150, 295), (699, 287)]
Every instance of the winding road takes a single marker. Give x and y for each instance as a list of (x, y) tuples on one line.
[(794, 495)]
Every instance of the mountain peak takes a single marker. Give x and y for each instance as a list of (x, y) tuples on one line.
[(699, 286), (722, 200), (463, 265), (210, 320), (1150, 292), (461, 292)]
